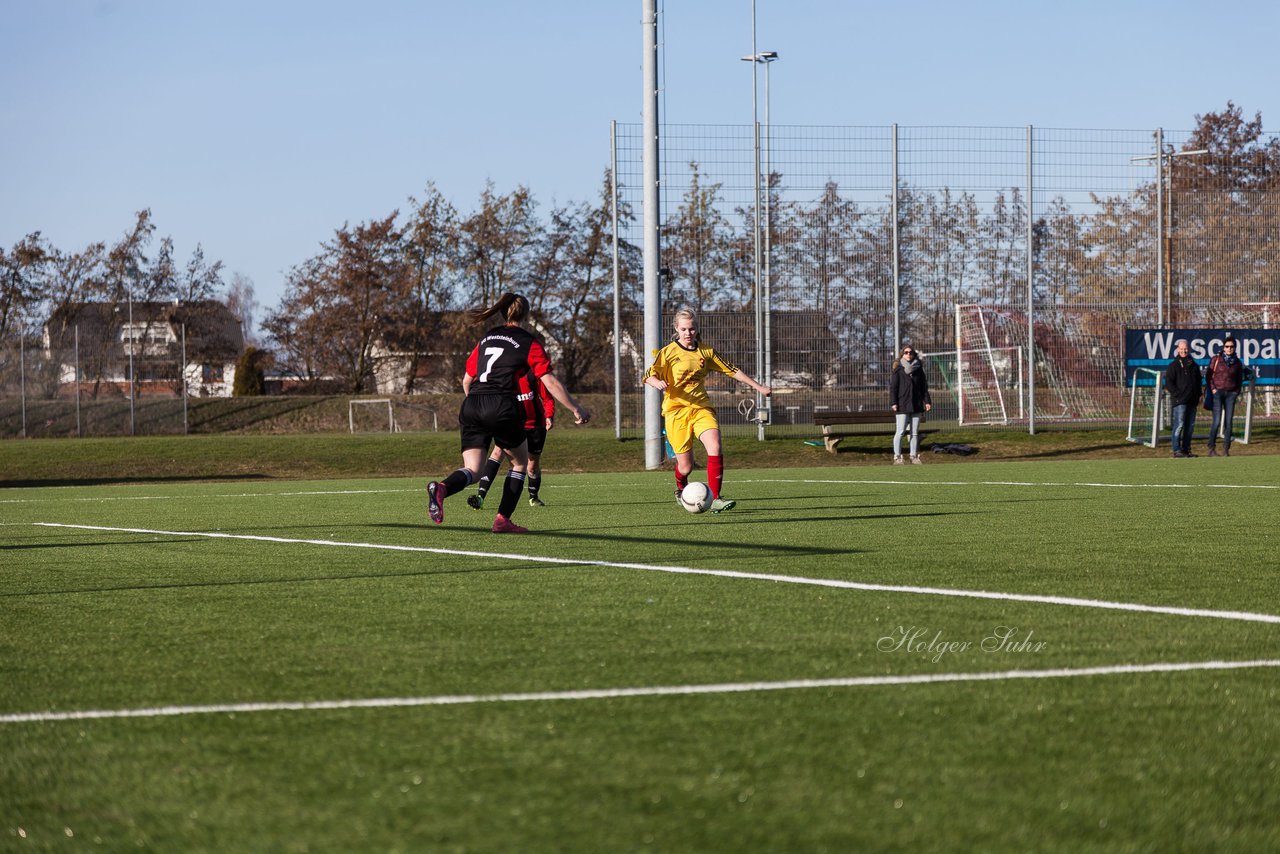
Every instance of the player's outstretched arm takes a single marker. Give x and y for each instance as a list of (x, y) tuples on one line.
[(742, 377), (560, 393)]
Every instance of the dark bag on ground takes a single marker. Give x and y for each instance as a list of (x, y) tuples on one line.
[(962, 450)]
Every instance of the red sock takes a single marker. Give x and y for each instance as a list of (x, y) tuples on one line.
[(682, 479), (715, 474)]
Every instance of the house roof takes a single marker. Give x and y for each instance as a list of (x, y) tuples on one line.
[(212, 330)]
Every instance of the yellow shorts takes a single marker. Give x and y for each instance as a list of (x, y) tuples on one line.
[(685, 423)]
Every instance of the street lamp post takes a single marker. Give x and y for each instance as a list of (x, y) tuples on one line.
[(764, 361), (768, 57)]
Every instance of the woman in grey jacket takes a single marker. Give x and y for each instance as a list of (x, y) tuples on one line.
[(909, 399)]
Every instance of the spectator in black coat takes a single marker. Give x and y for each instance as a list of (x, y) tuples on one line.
[(1182, 379), (909, 400)]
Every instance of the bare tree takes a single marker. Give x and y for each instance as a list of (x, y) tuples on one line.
[(698, 246), (575, 275), (493, 241), (340, 303), (1223, 211), (73, 280), (241, 301), (431, 247)]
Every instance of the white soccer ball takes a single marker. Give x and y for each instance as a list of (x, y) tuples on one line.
[(696, 497)]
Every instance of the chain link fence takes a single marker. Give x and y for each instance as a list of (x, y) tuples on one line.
[(950, 239), (966, 242)]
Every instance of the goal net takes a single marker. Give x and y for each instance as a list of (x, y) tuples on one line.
[(372, 416), (987, 384), (1075, 354)]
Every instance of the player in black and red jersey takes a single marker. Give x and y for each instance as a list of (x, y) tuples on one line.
[(490, 411), (539, 416)]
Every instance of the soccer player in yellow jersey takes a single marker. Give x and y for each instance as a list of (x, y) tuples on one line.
[(680, 370)]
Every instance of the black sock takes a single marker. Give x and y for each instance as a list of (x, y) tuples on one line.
[(491, 467), (511, 489), (535, 481), (457, 482)]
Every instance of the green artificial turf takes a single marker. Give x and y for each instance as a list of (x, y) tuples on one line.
[(156, 616)]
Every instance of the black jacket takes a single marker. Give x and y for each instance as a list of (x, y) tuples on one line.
[(909, 392), (1182, 379)]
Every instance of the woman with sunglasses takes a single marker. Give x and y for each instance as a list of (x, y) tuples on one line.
[(1223, 378), (909, 400)]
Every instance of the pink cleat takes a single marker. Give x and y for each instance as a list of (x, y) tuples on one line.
[(435, 501), (503, 525)]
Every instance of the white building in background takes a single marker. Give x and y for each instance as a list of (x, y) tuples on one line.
[(154, 338)]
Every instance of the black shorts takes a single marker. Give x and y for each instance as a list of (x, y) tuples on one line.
[(486, 418), (537, 438)]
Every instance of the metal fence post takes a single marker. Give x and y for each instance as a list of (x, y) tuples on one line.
[(617, 283), (79, 429), (22, 374), (1031, 288), (897, 276), (1160, 227), (182, 370)]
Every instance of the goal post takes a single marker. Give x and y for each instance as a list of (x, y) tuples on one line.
[(376, 406), (1146, 391)]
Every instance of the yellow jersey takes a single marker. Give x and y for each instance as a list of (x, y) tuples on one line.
[(684, 372)]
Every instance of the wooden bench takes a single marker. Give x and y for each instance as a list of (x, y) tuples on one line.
[(873, 421)]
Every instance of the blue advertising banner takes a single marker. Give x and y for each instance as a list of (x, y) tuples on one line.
[(1259, 349)]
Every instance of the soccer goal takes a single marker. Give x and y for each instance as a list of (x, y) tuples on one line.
[(988, 383), (1147, 408), (371, 416), (1145, 398)]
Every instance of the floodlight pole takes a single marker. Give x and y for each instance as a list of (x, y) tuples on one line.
[(754, 59), (763, 284), (768, 57), (653, 446)]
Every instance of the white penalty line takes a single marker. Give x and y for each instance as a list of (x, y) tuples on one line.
[(720, 573), (615, 693)]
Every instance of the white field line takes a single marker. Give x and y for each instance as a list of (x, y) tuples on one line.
[(55, 498), (720, 573), (653, 691), (199, 497), (1018, 483)]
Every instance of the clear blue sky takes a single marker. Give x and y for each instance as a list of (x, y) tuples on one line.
[(257, 127)]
